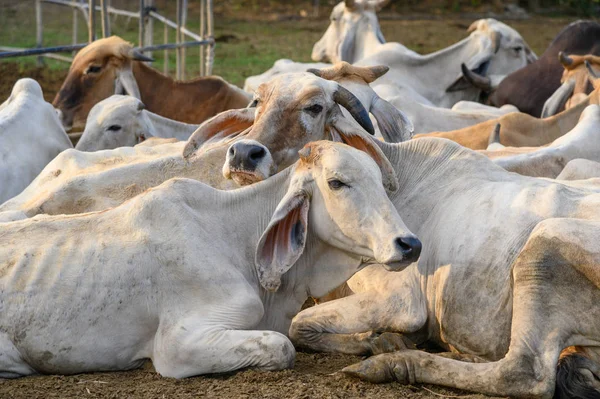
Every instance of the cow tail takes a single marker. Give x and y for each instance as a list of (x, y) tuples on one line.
[(573, 378)]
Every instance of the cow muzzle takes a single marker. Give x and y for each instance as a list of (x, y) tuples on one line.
[(248, 162), (402, 252)]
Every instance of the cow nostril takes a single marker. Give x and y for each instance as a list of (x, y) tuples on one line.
[(257, 153), (409, 246), (231, 151)]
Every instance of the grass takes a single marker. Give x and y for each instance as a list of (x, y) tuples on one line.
[(245, 47)]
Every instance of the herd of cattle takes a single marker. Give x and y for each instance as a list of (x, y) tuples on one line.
[(470, 223)]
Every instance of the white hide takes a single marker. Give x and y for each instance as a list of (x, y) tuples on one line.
[(31, 135), (159, 278), (120, 121), (579, 169)]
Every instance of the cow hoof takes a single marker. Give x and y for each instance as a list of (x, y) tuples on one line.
[(390, 342)]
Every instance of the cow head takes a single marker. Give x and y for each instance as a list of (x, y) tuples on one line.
[(496, 50), (117, 121), (353, 24), (95, 73), (339, 189), (574, 86), (288, 112)]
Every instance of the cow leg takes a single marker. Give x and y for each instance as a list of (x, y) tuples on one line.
[(352, 324), (198, 344), (554, 306), (12, 364)]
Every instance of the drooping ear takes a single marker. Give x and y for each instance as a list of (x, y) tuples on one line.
[(126, 80), (283, 241), (394, 125), (558, 99), (592, 75), (225, 124), (346, 47), (347, 132)]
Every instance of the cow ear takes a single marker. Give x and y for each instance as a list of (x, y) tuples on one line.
[(126, 81), (344, 131), (394, 125), (223, 125), (283, 241)]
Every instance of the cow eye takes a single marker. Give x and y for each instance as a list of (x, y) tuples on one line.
[(114, 128), (336, 184), (93, 69), (254, 103), (517, 49), (314, 109)]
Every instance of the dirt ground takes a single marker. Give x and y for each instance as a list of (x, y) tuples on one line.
[(315, 376)]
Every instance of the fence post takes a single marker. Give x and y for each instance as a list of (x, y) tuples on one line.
[(178, 40), (166, 52), (183, 50), (39, 30), (105, 20), (141, 24), (210, 35), (91, 20), (149, 27)]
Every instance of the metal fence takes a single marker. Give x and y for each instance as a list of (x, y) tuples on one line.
[(146, 16)]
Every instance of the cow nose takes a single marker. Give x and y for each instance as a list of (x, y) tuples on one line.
[(410, 247), (246, 156)]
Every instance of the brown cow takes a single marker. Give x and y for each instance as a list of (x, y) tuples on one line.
[(98, 67), (575, 85), (519, 129)]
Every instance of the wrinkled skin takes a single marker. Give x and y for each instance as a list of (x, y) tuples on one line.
[(504, 295), (223, 313)]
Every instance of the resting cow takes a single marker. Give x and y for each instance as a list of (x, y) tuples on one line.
[(519, 129), (30, 136), (529, 87), (507, 279), (575, 85), (120, 121), (300, 108), (164, 278), (111, 65), (548, 161), (580, 169)]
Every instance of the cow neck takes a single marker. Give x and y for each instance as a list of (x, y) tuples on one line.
[(431, 171), (369, 43), (150, 82), (168, 128)]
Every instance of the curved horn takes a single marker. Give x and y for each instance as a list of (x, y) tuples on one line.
[(495, 136), (479, 81), (565, 60), (379, 70), (347, 100), (473, 27), (314, 71), (136, 55), (591, 71), (558, 99)]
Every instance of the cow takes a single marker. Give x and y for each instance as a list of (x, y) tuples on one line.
[(507, 279), (580, 169), (520, 129), (77, 182), (30, 137), (111, 65), (528, 88), (123, 121), (551, 159), (575, 85), (161, 278)]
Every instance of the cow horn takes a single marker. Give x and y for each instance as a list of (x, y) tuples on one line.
[(136, 55), (349, 3), (347, 100), (379, 4), (591, 71), (314, 71), (565, 60), (379, 70), (473, 27), (479, 81), (495, 136)]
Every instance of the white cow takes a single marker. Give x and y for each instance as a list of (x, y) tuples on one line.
[(120, 121), (163, 277), (507, 279), (583, 141), (31, 135), (77, 182)]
